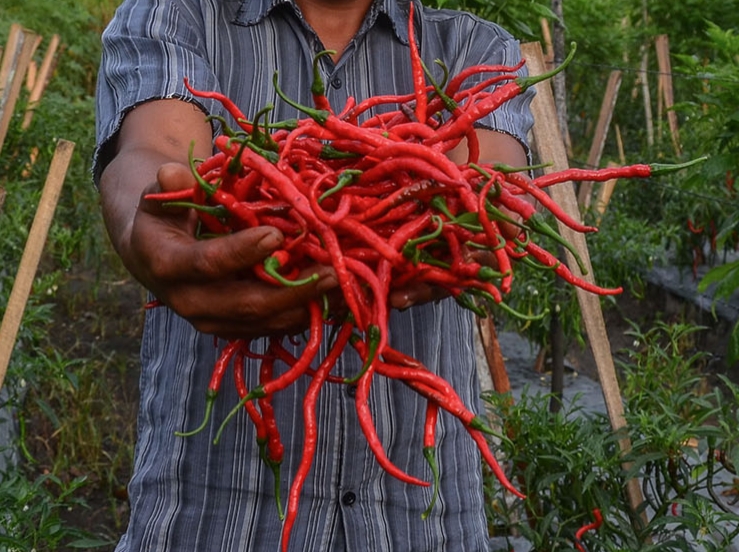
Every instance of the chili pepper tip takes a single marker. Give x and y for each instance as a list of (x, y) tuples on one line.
[(659, 169), (528, 82)]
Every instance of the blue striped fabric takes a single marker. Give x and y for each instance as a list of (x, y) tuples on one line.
[(190, 495)]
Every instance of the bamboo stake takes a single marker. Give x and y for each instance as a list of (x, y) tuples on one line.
[(549, 49), (601, 132), (41, 81), (10, 53), (662, 46), (15, 63), (604, 196), (32, 253), (550, 147), (496, 364)]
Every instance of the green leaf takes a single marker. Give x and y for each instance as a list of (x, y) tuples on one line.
[(726, 275), (733, 352), (49, 412)]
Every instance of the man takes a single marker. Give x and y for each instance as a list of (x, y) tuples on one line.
[(186, 493)]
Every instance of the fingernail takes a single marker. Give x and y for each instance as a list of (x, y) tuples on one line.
[(404, 302), (269, 242), (327, 282)]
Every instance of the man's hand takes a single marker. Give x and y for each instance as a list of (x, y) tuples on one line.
[(208, 282)]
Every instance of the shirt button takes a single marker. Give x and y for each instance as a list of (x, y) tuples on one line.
[(348, 499), (351, 390), (336, 82)]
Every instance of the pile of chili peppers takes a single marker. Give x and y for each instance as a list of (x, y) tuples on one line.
[(376, 197)]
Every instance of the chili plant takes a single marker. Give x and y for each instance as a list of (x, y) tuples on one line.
[(683, 434)]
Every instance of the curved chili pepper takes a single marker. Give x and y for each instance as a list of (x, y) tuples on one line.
[(364, 415), (589, 527), (495, 239), (492, 101), (491, 461), (310, 428), (296, 370), (274, 450), (317, 88), (693, 229), (549, 260), (216, 377), (419, 80), (225, 101)]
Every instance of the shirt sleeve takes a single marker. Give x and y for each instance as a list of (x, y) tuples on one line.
[(471, 41), (148, 49), (501, 48), (514, 116)]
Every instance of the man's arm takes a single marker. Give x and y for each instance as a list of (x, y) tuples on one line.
[(201, 280)]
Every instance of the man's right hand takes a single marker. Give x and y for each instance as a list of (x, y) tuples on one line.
[(208, 282)]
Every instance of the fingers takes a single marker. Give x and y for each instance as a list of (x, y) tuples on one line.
[(244, 309), (419, 294)]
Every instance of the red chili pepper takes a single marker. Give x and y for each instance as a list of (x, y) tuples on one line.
[(589, 527), (526, 209), (693, 229), (419, 79), (215, 384), (491, 461), (610, 173), (563, 272), (495, 239), (185, 194), (310, 429), (225, 101), (364, 415), (490, 102), (251, 410), (275, 447), (318, 90), (455, 83), (429, 452)]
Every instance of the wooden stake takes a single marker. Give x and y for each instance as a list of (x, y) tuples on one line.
[(551, 148), (604, 196), (601, 131), (32, 253), (548, 48), (662, 45), (491, 346), (10, 52), (41, 81), (18, 53), (643, 80)]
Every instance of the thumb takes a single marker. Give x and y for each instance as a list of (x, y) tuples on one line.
[(171, 177), (175, 176)]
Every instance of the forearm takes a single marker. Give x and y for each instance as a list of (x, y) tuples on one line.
[(152, 136), (121, 187)]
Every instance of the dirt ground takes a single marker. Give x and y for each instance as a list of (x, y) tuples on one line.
[(100, 321)]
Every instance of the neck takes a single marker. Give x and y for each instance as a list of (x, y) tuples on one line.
[(335, 21)]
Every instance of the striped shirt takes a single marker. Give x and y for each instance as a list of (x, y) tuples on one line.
[(188, 494)]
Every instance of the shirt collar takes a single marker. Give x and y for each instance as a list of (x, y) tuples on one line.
[(251, 12)]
